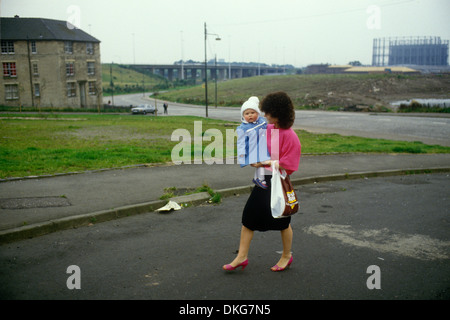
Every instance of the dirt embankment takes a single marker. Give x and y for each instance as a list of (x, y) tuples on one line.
[(378, 92)]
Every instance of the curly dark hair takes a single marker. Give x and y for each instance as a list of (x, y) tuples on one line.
[(279, 105)]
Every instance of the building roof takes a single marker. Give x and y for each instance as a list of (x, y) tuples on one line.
[(381, 69), (344, 66), (41, 29)]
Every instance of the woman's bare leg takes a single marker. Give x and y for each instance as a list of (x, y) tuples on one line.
[(286, 237), (244, 246)]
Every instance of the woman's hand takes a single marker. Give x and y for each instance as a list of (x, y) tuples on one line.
[(275, 163), (257, 165)]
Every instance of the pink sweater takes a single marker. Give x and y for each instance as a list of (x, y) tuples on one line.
[(284, 146)]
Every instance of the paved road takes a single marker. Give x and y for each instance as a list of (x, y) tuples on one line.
[(399, 224), (434, 129)]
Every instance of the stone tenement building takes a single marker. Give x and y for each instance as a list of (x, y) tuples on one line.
[(48, 63)]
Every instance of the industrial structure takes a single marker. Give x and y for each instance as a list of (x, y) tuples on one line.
[(421, 51)]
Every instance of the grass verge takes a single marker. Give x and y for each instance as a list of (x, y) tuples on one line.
[(174, 192), (34, 145)]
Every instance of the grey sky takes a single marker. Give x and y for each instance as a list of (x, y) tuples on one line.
[(269, 31)]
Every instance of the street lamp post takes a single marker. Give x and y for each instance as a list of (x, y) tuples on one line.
[(215, 80), (206, 69)]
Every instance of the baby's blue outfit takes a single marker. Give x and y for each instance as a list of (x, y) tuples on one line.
[(252, 142)]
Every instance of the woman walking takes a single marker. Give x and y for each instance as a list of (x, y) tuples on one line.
[(285, 149)]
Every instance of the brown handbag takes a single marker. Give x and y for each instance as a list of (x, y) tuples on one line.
[(290, 197)]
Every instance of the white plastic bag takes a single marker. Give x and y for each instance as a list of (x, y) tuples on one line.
[(277, 201)]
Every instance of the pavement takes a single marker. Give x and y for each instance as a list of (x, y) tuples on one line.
[(35, 206)]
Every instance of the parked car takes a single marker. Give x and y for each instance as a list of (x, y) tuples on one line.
[(144, 109)]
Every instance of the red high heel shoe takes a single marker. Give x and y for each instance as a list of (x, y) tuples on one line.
[(229, 267), (276, 268)]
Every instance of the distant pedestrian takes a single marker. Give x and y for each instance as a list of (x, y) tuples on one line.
[(257, 215), (165, 105)]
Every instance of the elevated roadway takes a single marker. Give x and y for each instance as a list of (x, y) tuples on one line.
[(194, 71)]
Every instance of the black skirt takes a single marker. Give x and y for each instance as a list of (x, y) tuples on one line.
[(257, 215)]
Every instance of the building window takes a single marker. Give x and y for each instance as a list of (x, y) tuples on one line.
[(92, 88), (89, 48), (71, 89), (11, 92), (9, 69), (70, 69), (35, 69), (68, 47), (7, 47), (37, 90), (91, 68), (33, 47)]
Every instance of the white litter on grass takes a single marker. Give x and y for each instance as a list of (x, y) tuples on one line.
[(171, 205)]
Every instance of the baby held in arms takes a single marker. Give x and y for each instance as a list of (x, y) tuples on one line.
[(252, 139)]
